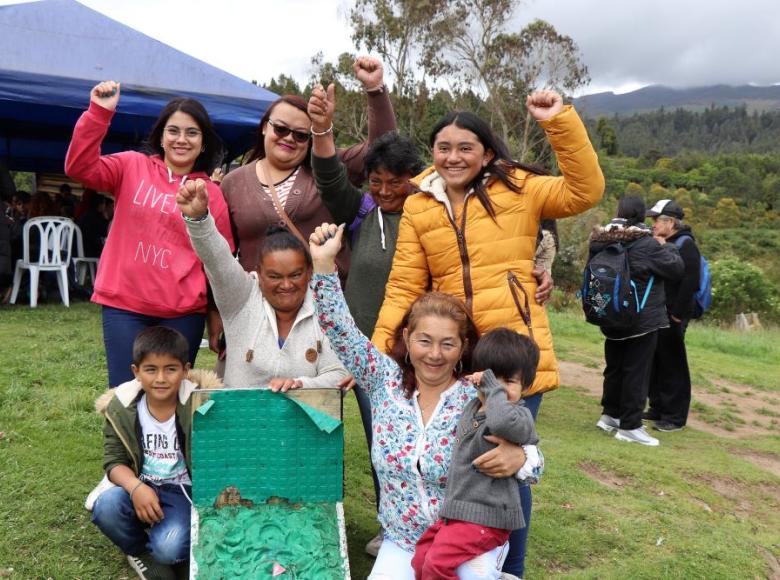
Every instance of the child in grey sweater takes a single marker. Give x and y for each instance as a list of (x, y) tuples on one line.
[(479, 511)]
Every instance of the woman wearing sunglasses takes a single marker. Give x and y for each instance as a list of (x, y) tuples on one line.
[(149, 273), (276, 185)]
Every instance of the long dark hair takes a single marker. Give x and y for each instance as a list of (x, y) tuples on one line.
[(213, 150), (258, 152), (433, 304), (499, 167)]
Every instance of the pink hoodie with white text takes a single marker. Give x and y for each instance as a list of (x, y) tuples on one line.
[(148, 265)]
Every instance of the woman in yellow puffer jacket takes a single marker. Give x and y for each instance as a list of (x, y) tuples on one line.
[(471, 232)]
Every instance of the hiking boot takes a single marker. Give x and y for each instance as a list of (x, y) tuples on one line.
[(650, 415), (148, 568), (667, 426), (608, 423), (372, 548), (638, 435)]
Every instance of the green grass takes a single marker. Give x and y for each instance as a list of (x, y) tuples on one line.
[(693, 508)]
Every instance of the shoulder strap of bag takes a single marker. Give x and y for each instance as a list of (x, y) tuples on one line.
[(280, 208)]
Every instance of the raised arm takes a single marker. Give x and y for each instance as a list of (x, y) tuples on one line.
[(408, 280), (339, 195), (83, 161), (381, 117), (582, 183), (230, 284), (370, 367)]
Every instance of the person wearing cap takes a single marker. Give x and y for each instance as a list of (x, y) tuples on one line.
[(670, 379)]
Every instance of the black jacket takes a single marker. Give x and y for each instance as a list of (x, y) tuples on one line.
[(680, 299), (646, 258)]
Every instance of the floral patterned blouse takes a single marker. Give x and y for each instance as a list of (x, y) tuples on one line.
[(411, 459)]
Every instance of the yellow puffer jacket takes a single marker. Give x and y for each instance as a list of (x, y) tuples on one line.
[(478, 259)]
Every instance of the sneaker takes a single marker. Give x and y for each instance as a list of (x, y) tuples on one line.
[(148, 568), (638, 435), (372, 548), (650, 415), (608, 423), (104, 485), (667, 426)]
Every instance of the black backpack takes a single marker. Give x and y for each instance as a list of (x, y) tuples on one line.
[(609, 295)]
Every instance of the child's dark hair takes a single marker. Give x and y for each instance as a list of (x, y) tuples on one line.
[(508, 354), (278, 238), (160, 340)]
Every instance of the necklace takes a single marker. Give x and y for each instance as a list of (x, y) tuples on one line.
[(282, 180)]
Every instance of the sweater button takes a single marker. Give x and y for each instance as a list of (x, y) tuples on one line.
[(476, 424), (296, 192)]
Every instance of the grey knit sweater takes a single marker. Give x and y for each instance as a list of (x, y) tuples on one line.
[(253, 353), (472, 496)]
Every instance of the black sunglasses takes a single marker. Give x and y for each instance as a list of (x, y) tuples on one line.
[(283, 130)]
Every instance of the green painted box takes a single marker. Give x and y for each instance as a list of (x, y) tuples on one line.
[(267, 475)]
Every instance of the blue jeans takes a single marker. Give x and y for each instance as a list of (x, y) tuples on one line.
[(518, 539), (168, 542), (120, 327)]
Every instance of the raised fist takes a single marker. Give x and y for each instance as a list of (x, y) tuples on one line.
[(193, 199), (369, 71), (105, 94), (544, 104)]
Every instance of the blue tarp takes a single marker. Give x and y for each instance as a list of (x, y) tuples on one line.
[(52, 52)]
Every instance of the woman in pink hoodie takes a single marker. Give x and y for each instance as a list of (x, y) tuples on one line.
[(148, 273)]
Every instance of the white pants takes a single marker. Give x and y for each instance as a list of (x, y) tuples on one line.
[(395, 563)]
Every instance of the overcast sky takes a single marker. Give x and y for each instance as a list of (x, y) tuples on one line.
[(625, 43)]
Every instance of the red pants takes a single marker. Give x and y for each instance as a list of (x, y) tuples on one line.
[(449, 543)]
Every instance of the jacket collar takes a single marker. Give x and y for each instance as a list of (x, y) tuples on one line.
[(306, 310), (128, 392)]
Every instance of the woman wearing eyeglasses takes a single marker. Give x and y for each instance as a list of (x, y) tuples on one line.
[(149, 274)]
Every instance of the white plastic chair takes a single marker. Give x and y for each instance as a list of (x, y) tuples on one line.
[(82, 264), (56, 240)]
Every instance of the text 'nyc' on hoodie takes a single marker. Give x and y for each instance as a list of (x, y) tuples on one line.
[(148, 265)]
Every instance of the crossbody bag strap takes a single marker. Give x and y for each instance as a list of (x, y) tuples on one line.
[(280, 208), (525, 313)]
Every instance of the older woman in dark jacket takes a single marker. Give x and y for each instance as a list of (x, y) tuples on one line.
[(629, 351)]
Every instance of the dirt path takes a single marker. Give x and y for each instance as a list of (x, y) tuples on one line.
[(755, 408)]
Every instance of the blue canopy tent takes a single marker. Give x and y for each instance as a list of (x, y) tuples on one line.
[(52, 52)]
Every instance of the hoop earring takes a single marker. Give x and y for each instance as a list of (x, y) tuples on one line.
[(459, 367), (406, 358)]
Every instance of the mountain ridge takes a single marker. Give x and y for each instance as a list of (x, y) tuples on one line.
[(654, 97)]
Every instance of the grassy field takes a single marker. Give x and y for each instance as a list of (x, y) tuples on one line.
[(706, 504)]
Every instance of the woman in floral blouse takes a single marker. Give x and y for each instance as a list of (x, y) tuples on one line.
[(417, 395)]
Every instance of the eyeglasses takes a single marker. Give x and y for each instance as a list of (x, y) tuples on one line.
[(282, 131), (174, 132)]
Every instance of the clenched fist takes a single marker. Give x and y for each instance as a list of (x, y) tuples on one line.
[(193, 199), (544, 104), (105, 94)]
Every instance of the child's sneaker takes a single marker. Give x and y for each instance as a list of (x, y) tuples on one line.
[(638, 435), (148, 568), (104, 484), (608, 423)]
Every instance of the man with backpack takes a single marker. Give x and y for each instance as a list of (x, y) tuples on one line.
[(670, 380), (623, 294)]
